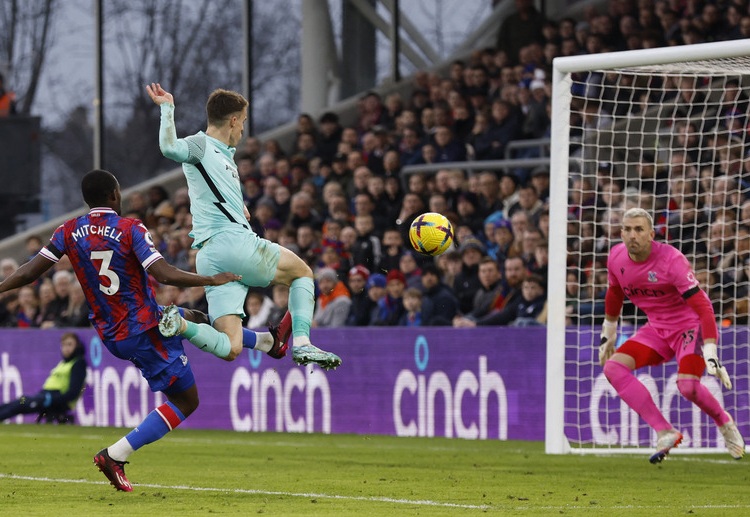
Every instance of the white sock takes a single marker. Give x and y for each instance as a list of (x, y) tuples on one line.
[(120, 450), (301, 340), (263, 341)]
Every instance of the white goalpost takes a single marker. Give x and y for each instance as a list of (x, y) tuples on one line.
[(663, 129)]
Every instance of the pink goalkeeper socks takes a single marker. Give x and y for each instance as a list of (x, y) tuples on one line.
[(698, 394), (635, 394)]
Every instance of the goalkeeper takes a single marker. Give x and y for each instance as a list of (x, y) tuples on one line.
[(658, 279)]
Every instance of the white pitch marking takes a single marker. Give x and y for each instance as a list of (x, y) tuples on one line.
[(421, 502)]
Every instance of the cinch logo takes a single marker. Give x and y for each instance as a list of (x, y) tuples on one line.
[(11, 385), (465, 400), (120, 400), (637, 291), (255, 397)]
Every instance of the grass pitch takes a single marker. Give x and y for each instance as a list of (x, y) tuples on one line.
[(48, 470)]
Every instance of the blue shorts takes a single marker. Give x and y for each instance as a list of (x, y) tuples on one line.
[(240, 252), (161, 360)]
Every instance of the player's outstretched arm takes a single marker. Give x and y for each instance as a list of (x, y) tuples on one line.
[(171, 147), (27, 273), (166, 273)]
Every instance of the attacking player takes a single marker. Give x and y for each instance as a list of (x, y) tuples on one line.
[(221, 231), (658, 279), (110, 255)]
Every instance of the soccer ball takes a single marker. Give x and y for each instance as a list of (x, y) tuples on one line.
[(431, 234)]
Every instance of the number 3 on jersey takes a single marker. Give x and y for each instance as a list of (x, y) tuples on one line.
[(114, 280)]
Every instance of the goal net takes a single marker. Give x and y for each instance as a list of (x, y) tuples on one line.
[(663, 129)]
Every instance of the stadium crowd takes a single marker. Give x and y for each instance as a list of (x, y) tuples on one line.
[(338, 198)]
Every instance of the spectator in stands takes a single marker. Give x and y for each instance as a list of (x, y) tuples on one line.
[(280, 298), (334, 302), (485, 297), (409, 266), (439, 303), (46, 294), (375, 289), (447, 147), (501, 243), (61, 281), (466, 283), (76, 314), (505, 127), (8, 266), (411, 206), (28, 307), (519, 29), (301, 212), (366, 250), (505, 307), (7, 100), (413, 316), (390, 308), (361, 303), (531, 310), (61, 389), (371, 112), (258, 308)]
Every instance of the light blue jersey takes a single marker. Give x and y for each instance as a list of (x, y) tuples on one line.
[(214, 187)]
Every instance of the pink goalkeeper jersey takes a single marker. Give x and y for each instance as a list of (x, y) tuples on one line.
[(656, 286)]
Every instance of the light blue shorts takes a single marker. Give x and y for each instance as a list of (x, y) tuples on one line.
[(240, 252)]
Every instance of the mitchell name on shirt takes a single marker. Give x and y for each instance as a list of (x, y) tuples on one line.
[(90, 229)]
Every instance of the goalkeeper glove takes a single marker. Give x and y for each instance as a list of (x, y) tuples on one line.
[(714, 366), (608, 339)]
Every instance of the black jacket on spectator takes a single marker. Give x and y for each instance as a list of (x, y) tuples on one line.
[(360, 311), (465, 285), (366, 252), (439, 306), (507, 314)]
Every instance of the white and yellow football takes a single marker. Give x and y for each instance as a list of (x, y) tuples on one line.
[(431, 234)]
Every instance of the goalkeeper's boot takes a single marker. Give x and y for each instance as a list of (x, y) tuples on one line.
[(306, 354), (171, 322), (281, 333), (665, 442), (733, 439), (114, 470)]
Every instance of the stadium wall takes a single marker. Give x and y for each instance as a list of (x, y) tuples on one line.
[(462, 383), (483, 383)]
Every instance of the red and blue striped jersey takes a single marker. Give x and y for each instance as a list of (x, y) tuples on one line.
[(110, 255)]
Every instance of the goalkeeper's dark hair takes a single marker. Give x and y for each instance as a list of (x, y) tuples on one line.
[(223, 103), (97, 186)]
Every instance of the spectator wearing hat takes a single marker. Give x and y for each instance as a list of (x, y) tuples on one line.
[(502, 241), (390, 308), (375, 287), (439, 304), (334, 301), (362, 305), (466, 283)]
